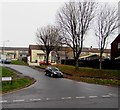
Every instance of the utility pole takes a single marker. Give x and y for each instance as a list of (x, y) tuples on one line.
[(3, 49)]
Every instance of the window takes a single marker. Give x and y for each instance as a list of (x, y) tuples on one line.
[(41, 57)]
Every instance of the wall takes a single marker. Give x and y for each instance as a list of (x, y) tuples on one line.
[(34, 55)]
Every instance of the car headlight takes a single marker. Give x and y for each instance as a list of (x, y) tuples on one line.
[(55, 73), (61, 73)]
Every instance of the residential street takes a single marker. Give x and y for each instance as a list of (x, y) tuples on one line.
[(59, 93)]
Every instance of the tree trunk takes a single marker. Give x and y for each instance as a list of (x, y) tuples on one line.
[(47, 58), (100, 66), (76, 64)]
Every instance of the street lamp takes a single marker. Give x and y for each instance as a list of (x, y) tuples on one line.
[(4, 45)]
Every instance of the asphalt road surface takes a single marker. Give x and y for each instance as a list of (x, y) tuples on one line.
[(59, 93)]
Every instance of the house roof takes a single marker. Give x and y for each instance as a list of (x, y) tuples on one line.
[(94, 50), (88, 56), (36, 47), (15, 48), (117, 58), (118, 37)]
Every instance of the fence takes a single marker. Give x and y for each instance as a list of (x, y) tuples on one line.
[(106, 64)]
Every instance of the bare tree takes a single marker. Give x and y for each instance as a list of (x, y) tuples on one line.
[(74, 19), (107, 23), (49, 38)]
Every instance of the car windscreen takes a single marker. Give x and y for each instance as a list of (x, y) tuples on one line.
[(55, 69)]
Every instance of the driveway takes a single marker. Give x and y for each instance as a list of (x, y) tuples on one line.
[(59, 93)]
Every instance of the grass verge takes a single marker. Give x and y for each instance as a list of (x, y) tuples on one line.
[(18, 80), (16, 84), (19, 62), (90, 75)]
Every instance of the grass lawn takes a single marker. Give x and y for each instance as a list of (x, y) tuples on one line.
[(6, 73), (90, 75), (18, 82), (18, 62)]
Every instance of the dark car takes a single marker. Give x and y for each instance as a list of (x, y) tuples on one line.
[(53, 72)]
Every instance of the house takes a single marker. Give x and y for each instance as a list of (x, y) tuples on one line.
[(90, 57), (115, 48), (94, 53), (14, 52), (37, 53)]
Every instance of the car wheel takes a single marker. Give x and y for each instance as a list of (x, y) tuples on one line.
[(46, 73)]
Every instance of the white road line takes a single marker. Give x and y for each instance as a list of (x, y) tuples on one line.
[(110, 94), (2, 101), (81, 97), (47, 98), (93, 96), (35, 99), (66, 97), (105, 96), (63, 98), (19, 100)]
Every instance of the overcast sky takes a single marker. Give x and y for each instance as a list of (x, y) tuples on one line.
[(21, 18)]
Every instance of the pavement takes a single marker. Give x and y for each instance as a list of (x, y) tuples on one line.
[(50, 92)]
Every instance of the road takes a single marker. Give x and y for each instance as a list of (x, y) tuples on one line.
[(59, 93)]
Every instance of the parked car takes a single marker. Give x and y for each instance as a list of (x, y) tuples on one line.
[(53, 72), (5, 59), (44, 63), (8, 61)]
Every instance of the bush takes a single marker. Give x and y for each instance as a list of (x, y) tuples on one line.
[(24, 59)]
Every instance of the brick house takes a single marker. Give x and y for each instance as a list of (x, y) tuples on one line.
[(115, 48)]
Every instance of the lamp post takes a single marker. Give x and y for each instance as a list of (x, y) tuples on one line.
[(4, 45)]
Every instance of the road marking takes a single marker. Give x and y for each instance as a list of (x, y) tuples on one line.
[(19, 100), (105, 96), (69, 97), (35, 99), (62, 98), (110, 94), (93, 96), (47, 98), (2, 101), (81, 97), (66, 98)]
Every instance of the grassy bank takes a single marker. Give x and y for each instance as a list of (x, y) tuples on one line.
[(18, 80), (90, 75), (19, 62)]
